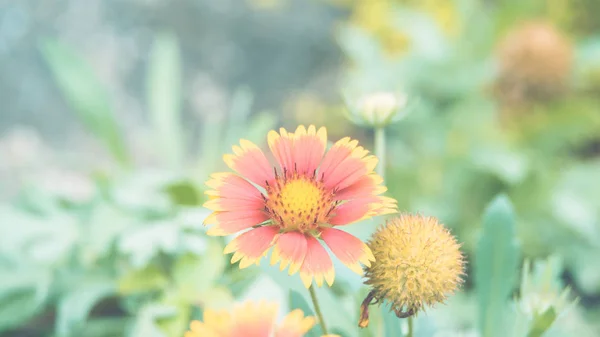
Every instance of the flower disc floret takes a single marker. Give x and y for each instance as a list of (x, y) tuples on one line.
[(299, 203)]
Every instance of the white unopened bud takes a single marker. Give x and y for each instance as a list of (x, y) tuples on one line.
[(378, 109)]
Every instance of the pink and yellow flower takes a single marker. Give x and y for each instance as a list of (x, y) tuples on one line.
[(295, 204), (251, 320)]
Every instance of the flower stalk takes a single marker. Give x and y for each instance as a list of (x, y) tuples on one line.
[(315, 301), (380, 150)]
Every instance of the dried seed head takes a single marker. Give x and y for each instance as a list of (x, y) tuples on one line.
[(418, 263), (535, 62)]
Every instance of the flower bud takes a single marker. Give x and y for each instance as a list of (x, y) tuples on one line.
[(377, 109), (542, 298)]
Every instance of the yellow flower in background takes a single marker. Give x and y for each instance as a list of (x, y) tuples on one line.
[(377, 18), (444, 12), (418, 263), (251, 319)]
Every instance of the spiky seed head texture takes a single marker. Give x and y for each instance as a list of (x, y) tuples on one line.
[(418, 263)]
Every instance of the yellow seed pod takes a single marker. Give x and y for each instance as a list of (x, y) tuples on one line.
[(418, 263)]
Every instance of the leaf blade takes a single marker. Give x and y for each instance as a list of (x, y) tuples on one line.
[(496, 265), (164, 97), (84, 92)]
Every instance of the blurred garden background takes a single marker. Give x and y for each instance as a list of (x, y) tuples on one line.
[(113, 113)]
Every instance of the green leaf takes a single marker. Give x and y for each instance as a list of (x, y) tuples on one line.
[(147, 279), (43, 239), (211, 143), (183, 193), (105, 327), (216, 297), (496, 266), (241, 104), (240, 280), (193, 275), (542, 322), (142, 192), (164, 98), (141, 244), (510, 166), (74, 308), (22, 296), (88, 97), (105, 225), (297, 302), (176, 325), (145, 324)]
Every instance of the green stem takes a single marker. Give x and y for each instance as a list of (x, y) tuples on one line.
[(380, 169), (380, 150), (410, 327), (313, 297)]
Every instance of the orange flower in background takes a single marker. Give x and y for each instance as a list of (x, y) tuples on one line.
[(294, 205), (251, 320)]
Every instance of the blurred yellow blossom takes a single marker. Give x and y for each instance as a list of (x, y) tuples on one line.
[(377, 18), (256, 319)]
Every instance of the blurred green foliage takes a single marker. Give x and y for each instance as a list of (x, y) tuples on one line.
[(496, 266), (131, 258)]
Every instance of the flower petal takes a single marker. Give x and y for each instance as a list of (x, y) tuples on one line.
[(291, 250), (350, 170), (354, 210), (254, 319), (345, 163), (338, 152), (281, 145), (249, 161), (386, 206), (228, 204), (231, 186), (251, 246), (217, 321), (199, 329), (348, 248), (309, 147), (295, 325), (367, 185), (317, 264), (231, 222)]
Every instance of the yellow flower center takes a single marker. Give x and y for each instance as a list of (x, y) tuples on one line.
[(300, 196), (299, 203)]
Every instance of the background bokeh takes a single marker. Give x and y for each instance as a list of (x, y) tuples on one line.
[(113, 113)]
